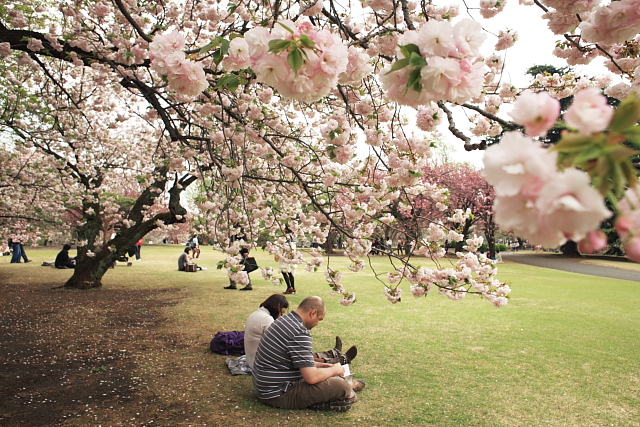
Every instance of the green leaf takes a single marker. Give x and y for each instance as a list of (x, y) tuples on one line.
[(633, 135), (572, 142), (278, 45), (603, 169), (285, 27), (417, 61), (408, 49), (294, 59), (305, 41), (629, 172), (219, 54), (399, 65), (592, 152), (414, 81), (213, 43), (619, 178), (230, 81), (620, 152), (626, 115)]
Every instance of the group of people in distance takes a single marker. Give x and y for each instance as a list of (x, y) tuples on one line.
[(286, 372)]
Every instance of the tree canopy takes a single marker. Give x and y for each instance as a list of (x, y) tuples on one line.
[(291, 114)]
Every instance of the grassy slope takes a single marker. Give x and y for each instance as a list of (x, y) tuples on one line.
[(563, 352)]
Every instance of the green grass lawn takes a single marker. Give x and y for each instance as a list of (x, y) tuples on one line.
[(565, 351)]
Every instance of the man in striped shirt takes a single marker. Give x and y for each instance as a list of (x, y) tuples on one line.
[(284, 372)]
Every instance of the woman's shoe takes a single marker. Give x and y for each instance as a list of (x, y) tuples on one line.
[(289, 291)]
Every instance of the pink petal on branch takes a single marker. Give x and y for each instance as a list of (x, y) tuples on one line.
[(632, 249), (589, 113), (537, 112), (594, 241)]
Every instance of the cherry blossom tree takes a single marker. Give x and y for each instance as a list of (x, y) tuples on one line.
[(292, 114)]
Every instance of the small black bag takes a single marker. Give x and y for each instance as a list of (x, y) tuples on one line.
[(250, 264)]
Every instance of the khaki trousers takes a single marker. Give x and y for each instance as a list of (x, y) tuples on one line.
[(299, 395)]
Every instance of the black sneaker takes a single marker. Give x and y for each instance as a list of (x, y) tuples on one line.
[(246, 288), (230, 287)]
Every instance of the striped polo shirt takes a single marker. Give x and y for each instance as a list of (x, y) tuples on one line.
[(284, 348)]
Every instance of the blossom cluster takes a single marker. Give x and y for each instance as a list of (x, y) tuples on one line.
[(472, 273), (268, 275), (534, 199), (186, 77), (315, 262), (614, 23), (334, 278), (235, 270), (438, 62), (298, 60)]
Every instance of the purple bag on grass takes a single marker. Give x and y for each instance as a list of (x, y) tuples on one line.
[(227, 343)]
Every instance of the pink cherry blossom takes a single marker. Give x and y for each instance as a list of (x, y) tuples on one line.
[(435, 38), (632, 248), (428, 117), (490, 8), (468, 37), (518, 164), (506, 39), (569, 207), (537, 112), (595, 241), (440, 75), (589, 112), (238, 57), (319, 71), (613, 23), (34, 44), (5, 49)]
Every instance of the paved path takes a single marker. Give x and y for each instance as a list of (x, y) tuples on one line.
[(555, 262)]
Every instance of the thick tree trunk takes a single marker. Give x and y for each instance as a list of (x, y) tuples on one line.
[(86, 276), (491, 243), (90, 270)]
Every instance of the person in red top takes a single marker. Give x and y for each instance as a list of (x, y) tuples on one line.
[(138, 246)]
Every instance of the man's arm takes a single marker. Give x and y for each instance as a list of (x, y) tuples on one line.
[(323, 365), (313, 375)]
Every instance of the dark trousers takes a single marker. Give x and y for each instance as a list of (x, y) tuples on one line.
[(299, 394)]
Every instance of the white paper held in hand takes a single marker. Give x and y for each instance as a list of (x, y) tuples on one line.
[(347, 372)]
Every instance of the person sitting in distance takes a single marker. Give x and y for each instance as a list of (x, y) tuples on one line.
[(183, 259), (63, 260)]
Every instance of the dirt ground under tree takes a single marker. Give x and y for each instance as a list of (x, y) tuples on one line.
[(114, 358)]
